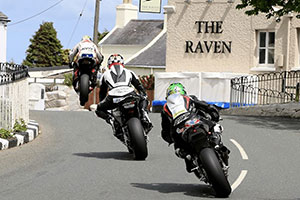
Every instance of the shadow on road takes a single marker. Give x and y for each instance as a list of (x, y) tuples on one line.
[(276, 123), (196, 190), (107, 155)]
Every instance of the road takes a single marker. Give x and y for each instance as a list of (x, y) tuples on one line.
[(76, 157)]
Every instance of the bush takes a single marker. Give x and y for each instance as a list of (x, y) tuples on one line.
[(19, 126), (5, 134), (68, 79), (147, 81)]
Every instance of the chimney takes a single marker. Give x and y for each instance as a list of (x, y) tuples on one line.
[(3, 36), (125, 12)]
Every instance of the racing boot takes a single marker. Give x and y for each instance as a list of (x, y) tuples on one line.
[(118, 133), (215, 136), (224, 154), (181, 153)]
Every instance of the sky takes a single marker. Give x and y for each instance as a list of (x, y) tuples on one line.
[(64, 15)]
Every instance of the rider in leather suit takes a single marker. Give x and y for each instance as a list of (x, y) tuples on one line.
[(190, 104), (118, 75), (85, 46)]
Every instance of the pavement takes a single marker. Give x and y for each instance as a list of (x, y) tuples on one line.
[(21, 137)]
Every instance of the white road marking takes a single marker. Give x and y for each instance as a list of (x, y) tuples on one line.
[(242, 151), (239, 180), (243, 173)]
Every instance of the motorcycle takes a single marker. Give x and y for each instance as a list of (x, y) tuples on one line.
[(126, 123), (209, 162), (86, 73)]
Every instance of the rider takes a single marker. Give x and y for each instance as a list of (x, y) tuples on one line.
[(116, 76), (84, 47), (186, 105)]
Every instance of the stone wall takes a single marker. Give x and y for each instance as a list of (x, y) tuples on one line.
[(62, 98), (290, 110)]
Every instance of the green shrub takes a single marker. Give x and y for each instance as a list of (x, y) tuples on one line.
[(5, 134), (68, 79), (20, 126)]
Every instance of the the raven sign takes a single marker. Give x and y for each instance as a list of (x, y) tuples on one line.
[(150, 6)]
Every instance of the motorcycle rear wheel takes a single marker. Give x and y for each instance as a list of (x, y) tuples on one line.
[(215, 172), (137, 138), (84, 89)]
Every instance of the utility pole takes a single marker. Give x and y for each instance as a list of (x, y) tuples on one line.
[(95, 36), (96, 22)]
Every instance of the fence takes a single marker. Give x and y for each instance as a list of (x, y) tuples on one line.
[(14, 94), (261, 89)]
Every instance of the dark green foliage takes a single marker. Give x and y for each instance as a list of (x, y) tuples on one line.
[(45, 49), (102, 35), (267, 7), (68, 79), (20, 126), (5, 134), (65, 56)]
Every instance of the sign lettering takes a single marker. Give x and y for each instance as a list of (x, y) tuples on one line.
[(216, 47)]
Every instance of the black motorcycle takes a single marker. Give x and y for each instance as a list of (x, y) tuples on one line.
[(126, 121), (209, 162), (87, 77)]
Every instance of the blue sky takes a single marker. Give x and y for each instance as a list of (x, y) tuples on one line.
[(64, 17)]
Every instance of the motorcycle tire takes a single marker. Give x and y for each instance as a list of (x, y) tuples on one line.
[(215, 172), (137, 138), (84, 89)]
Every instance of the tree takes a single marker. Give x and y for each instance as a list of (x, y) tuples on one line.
[(102, 35), (65, 56), (45, 49), (272, 8)]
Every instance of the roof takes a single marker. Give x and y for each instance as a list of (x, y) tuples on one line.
[(136, 32), (3, 17), (154, 56)]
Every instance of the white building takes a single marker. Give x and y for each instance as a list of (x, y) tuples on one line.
[(142, 43), (210, 42), (3, 27)]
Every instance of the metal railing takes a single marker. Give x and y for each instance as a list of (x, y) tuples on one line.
[(261, 89), (14, 92)]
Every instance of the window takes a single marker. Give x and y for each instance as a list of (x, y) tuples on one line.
[(266, 48)]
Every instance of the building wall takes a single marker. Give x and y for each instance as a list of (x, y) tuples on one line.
[(231, 45), (3, 41)]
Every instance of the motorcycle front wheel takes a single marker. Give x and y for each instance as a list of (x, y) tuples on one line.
[(137, 139), (215, 172), (84, 89)]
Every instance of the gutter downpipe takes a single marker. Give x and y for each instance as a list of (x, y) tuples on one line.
[(290, 16)]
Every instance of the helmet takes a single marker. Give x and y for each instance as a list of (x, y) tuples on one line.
[(86, 37), (175, 88), (115, 58)]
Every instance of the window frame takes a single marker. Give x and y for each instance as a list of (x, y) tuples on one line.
[(267, 48)]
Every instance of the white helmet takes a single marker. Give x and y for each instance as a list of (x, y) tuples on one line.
[(115, 58)]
